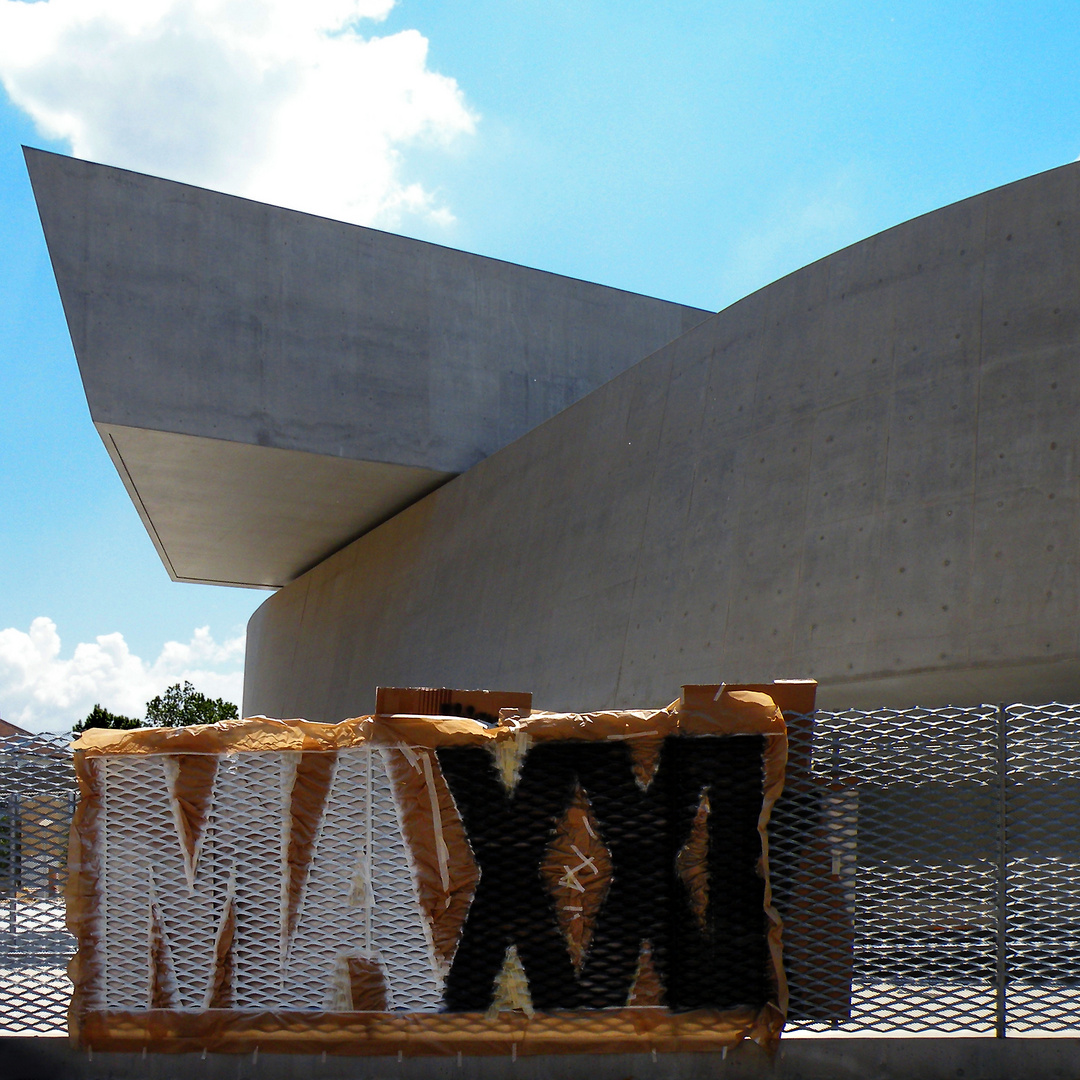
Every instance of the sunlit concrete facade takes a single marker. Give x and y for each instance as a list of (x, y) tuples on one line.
[(866, 473)]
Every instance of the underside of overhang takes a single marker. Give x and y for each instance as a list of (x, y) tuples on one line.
[(227, 513)]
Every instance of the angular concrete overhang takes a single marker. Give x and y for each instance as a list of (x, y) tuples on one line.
[(271, 385)]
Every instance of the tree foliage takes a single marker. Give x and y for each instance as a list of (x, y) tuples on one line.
[(182, 706), (179, 706), (102, 718)]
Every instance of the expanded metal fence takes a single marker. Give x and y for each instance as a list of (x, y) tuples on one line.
[(37, 797), (929, 870), (926, 864)]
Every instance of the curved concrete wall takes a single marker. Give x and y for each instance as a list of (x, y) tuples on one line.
[(865, 473)]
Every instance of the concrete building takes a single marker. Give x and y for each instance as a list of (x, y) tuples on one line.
[(461, 472), (270, 384)]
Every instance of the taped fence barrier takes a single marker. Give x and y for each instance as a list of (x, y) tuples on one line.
[(432, 884), (924, 862)]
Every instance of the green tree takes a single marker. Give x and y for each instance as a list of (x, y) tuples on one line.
[(102, 718), (182, 706)]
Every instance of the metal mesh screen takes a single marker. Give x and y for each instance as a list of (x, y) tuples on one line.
[(904, 809), (37, 796), (926, 864), (1040, 878), (244, 853)]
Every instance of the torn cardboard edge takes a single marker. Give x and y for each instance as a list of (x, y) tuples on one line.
[(731, 710), (614, 1031)]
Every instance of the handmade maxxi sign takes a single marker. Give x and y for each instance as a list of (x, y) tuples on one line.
[(500, 880)]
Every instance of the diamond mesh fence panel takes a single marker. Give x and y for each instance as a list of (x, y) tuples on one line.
[(926, 864), (928, 868), (37, 797), (1040, 876)]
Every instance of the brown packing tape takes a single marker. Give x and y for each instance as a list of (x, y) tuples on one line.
[(81, 891), (161, 995), (775, 762), (792, 696), (443, 701), (367, 985), (819, 937), (647, 988), (614, 1031), (433, 732), (740, 710), (191, 780), (577, 872), (221, 982), (444, 908), (250, 735), (310, 789), (691, 863)]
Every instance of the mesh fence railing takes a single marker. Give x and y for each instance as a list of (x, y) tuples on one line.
[(905, 892), (37, 797), (928, 869), (926, 863)]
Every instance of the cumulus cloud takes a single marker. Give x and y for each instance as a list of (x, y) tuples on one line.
[(279, 100), (42, 691)]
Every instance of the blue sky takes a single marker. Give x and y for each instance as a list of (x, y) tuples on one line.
[(693, 151)]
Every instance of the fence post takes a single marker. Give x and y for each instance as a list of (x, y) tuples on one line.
[(13, 856), (1001, 981)]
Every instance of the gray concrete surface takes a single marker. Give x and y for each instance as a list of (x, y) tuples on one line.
[(235, 514), (867, 472), (198, 314), (797, 1059)]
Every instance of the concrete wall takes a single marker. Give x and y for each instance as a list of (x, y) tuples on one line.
[(203, 314), (228, 513), (866, 473)]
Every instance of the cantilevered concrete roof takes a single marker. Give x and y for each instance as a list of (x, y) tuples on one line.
[(271, 385)]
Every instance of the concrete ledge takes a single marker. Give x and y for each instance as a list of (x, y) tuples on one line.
[(198, 317), (797, 1059)]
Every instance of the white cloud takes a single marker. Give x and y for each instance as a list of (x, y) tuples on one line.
[(41, 691), (286, 101)]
